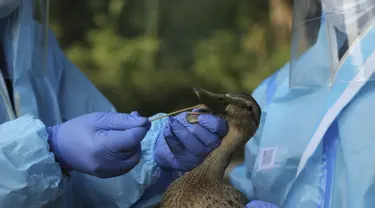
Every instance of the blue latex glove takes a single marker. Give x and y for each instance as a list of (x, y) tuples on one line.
[(100, 144), (260, 204), (182, 146)]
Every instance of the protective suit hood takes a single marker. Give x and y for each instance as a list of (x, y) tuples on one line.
[(7, 7)]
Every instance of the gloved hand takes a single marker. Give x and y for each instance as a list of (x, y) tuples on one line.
[(260, 204), (182, 146), (100, 144)]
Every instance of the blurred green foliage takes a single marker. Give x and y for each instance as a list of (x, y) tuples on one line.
[(147, 55)]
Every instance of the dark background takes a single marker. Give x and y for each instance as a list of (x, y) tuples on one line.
[(147, 55)]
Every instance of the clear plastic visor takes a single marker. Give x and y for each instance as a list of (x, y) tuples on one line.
[(343, 22)]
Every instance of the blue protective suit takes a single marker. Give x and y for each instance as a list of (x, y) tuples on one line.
[(29, 175), (315, 144)]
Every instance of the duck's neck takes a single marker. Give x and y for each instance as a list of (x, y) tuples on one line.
[(217, 161)]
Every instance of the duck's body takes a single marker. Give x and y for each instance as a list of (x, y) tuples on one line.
[(206, 195), (203, 187)]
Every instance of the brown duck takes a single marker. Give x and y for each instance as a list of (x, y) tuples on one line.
[(203, 187)]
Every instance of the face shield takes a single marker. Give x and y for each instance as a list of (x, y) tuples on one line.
[(325, 31), (25, 33)]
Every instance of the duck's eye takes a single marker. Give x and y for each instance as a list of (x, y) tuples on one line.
[(250, 107), (221, 98)]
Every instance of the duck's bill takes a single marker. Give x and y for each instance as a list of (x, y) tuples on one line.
[(217, 103)]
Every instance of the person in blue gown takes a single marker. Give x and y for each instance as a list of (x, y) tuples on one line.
[(55, 121), (315, 144)]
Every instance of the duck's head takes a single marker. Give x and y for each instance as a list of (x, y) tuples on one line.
[(241, 110)]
